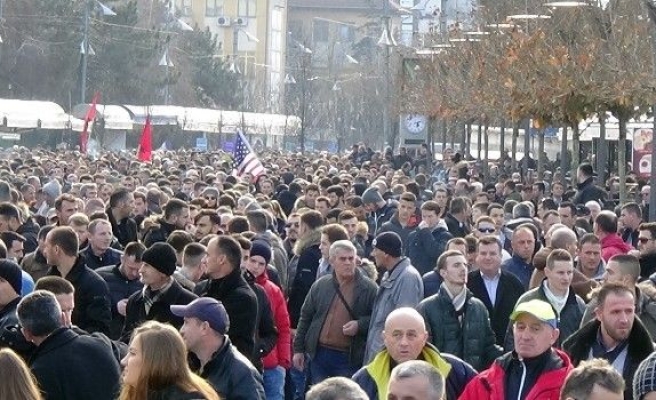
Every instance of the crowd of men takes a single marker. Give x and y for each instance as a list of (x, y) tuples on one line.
[(329, 277)]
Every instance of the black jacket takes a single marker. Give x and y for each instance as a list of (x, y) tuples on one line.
[(158, 233), (454, 226), (240, 303), (647, 265), (174, 393), (93, 312), (640, 347), (29, 230), (266, 334), (69, 366), (135, 312), (587, 191), (425, 245), (110, 257), (232, 375), (307, 259), (119, 288), (509, 290), (10, 332), (124, 230)]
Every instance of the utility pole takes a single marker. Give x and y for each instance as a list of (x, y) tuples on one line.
[(85, 52)]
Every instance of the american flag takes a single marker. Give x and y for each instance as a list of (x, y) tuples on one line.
[(245, 159)]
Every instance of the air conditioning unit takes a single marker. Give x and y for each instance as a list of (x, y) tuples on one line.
[(241, 21), (224, 21)]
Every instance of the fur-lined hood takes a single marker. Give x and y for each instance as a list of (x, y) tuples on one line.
[(311, 239)]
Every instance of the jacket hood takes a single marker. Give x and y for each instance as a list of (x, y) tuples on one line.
[(311, 239)]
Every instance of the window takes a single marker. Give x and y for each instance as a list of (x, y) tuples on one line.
[(213, 8), (347, 33), (186, 8), (247, 8)]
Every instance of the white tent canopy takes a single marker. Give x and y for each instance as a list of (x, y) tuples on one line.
[(28, 114), (115, 117), (590, 128), (215, 121)]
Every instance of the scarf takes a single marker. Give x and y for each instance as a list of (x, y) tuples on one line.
[(556, 301), (151, 296), (457, 300)]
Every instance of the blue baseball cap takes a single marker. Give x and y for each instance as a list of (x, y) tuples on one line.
[(205, 309)]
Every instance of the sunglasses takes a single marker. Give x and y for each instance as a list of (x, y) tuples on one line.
[(486, 230)]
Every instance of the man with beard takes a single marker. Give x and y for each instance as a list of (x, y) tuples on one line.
[(176, 216), (647, 248), (615, 335)]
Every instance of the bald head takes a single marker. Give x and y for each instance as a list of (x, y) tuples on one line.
[(405, 334)]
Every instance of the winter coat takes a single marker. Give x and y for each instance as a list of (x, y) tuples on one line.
[(471, 339), (279, 256), (281, 353), (491, 383), (640, 346), (125, 230), (266, 334), (432, 281), (135, 311), (376, 219), (174, 393), (93, 311), (10, 332), (35, 264), (158, 232), (394, 225), (69, 366), (509, 290), (374, 377), (647, 265), (425, 245), (588, 191), (400, 287), (30, 231), (645, 307), (119, 288), (109, 257), (316, 308), (308, 255), (569, 318), (240, 303), (520, 269), (454, 226), (232, 375), (612, 245)]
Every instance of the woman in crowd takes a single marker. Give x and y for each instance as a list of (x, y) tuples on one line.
[(156, 368), (17, 382)]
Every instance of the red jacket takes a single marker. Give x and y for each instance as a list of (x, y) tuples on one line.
[(281, 354), (489, 384), (613, 245)]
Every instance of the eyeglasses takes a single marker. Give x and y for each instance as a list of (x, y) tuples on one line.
[(486, 230)]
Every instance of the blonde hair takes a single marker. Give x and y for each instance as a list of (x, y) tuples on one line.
[(17, 381), (164, 364)]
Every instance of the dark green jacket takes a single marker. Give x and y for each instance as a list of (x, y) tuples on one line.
[(316, 307), (472, 340)]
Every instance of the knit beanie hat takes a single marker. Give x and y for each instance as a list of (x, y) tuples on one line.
[(12, 273), (262, 249), (371, 195), (160, 256), (644, 380), (389, 243)]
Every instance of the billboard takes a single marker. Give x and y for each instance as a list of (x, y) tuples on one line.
[(642, 142)]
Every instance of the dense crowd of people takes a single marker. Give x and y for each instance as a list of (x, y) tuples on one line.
[(371, 275)]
